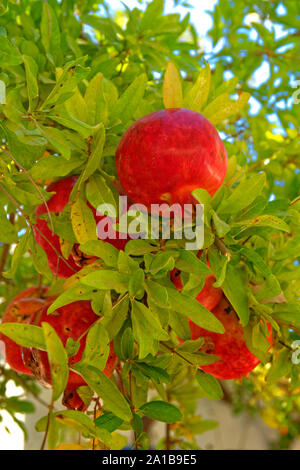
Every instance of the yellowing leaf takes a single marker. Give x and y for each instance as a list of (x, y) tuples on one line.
[(83, 221), (69, 447), (172, 89)]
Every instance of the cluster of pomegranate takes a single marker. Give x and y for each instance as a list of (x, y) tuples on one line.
[(71, 321), (162, 157)]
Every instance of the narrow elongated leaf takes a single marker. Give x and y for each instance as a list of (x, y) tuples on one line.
[(113, 399), (192, 309), (209, 385), (83, 221), (25, 335), (107, 279), (102, 250), (223, 107), (108, 421), (128, 102), (241, 196), (162, 411), (198, 94), (172, 88), (97, 347), (58, 360)]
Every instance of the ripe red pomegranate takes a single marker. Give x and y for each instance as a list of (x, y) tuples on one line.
[(236, 360), (209, 296), (43, 234), (69, 321), (21, 308), (165, 155), (50, 242)]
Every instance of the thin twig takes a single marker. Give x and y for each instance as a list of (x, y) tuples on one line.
[(48, 425), (177, 353), (33, 183)]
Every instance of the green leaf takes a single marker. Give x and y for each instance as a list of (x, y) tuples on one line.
[(136, 284), (50, 31), (58, 360), (108, 421), (19, 251), (189, 262), (126, 105), (241, 197), (221, 227), (157, 293), (268, 221), (3, 7), (197, 96), (172, 88), (53, 167), (73, 294), (95, 100), (114, 401), (139, 247), (161, 411), (8, 232), (58, 140), (28, 336), (210, 386), (153, 11), (97, 347), (127, 344), (192, 309), (93, 162), (98, 192), (146, 328), (9, 54), (280, 367), (31, 69), (158, 374), (223, 107), (107, 279), (232, 286), (103, 250)]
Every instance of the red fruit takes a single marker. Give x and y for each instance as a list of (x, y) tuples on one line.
[(50, 242), (209, 296), (69, 321), (36, 292), (43, 234), (236, 360), (20, 309), (165, 155)]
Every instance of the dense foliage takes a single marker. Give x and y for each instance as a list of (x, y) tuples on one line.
[(73, 78)]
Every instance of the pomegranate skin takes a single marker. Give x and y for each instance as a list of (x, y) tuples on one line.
[(20, 310), (236, 360), (165, 155), (210, 296), (56, 204), (50, 241), (69, 321)]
